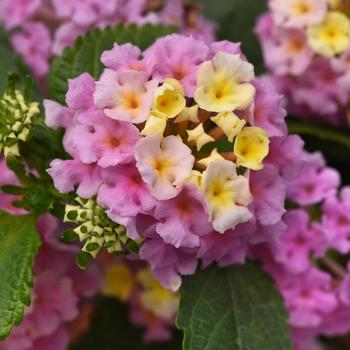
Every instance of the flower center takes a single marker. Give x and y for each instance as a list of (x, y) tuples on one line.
[(302, 8)]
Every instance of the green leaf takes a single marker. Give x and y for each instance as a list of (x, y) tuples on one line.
[(235, 308), (84, 55), (19, 243)]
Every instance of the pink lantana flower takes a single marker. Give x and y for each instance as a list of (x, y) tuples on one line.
[(124, 193), (69, 173), (298, 13), (183, 219), (171, 61), (34, 43), (126, 96), (105, 141), (164, 165)]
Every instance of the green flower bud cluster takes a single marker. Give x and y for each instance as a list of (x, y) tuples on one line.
[(97, 230), (16, 116)]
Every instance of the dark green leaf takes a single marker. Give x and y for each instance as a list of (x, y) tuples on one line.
[(84, 55), (233, 308), (19, 243), (236, 20)]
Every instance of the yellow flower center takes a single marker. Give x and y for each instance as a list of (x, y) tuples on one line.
[(302, 8), (161, 165)]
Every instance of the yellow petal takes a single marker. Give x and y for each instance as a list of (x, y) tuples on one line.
[(169, 99), (229, 123), (251, 147), (154, 126), (188, 114), (214, 155), (199, 136)]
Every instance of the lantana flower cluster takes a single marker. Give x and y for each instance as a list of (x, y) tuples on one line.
[(61, 291), (182, 146), (44, 28), (306, 47)]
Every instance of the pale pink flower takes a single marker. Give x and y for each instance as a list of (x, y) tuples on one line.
[(104, 141), (126, 95), (177, 57), (33, 43), (183, 219), (69, 173), (164, 164), (298, 13)]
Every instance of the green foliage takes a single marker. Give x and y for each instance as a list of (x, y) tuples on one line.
[(11, 62), (236, 20), (236, 308), (84, 55), (19, 243), (111, 330)]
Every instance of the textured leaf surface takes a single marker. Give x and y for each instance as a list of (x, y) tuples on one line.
[(19, 243), (84, 55), (233, 308)]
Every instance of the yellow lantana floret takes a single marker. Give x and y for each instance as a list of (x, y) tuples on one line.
[(154, 126), (223, 84), (199, 136), (332, 36), (156, 299), (214, 155), (189, 114), (226, 194), (251, 147), (119, 282), (169, 99), (229, 123)]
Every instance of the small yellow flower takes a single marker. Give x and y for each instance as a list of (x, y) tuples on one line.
[(332, 36), (154, 298), (226, 194), (119, 282), (214, 155), (188, 114), (251, 147), (154, 126), (229, 123), (223, 84), (199, 136), (169, 99)]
